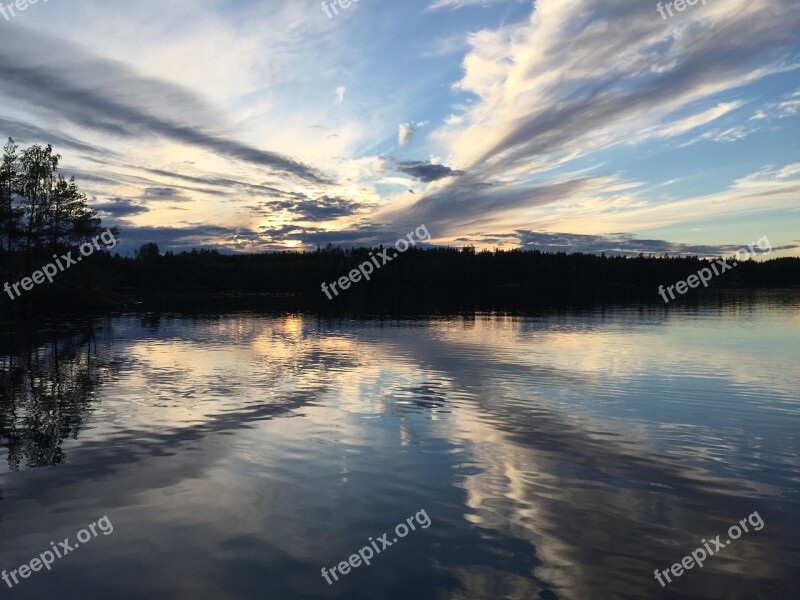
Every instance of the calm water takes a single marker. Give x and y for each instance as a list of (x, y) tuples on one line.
[(557, 456)]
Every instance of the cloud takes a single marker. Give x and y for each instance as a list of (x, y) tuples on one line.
[(164, 192), (26, 133), (62, 80), (239, 239), (611, 244), (703, 118), (770, 190), (456, 4), (119, 207), (406, 131), (788, 107), (620, 244), (425, 171), (442, 46), (324, 208), (340, 91), (224, 182), (359, 235), (470, 203), (192, 235), (583, 76), (553, 89)]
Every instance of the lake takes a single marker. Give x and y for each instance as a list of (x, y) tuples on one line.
[(565, 454)]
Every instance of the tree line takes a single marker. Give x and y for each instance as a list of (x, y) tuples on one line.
[(423, 279), (41, 211)]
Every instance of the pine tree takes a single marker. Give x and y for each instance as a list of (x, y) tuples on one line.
[(38, 168), (9, 181)]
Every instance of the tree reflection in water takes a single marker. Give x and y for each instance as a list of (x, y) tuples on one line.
[(48, 385)]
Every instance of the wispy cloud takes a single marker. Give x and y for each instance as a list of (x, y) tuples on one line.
[(63, 81), (583, 76)]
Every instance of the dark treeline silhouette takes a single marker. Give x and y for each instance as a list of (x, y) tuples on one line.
[(437, 276), (42, 213)]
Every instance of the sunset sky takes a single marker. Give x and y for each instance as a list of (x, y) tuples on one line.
[(576, 125)]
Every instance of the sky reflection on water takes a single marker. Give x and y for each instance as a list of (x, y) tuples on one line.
[(558, 456)]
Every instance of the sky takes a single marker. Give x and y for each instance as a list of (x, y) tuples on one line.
[(563, 125)]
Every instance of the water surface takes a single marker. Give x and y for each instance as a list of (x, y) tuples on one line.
[(565, 455)]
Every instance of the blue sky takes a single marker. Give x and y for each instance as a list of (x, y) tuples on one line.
[(577, 125)]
